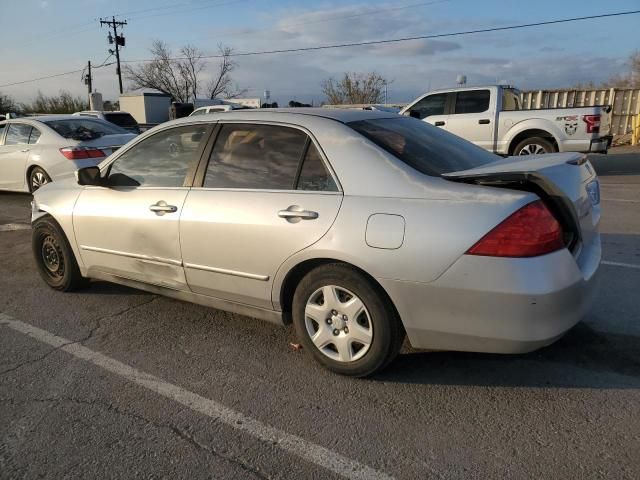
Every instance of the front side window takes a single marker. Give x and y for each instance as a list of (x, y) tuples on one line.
[(262, 157), (472, 101), (161, 160), (123, 120), (18, 134), (84, 128), (198, 112), (428, 149), (314, 176), (431, 105)]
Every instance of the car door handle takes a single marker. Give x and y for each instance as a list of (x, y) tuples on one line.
[(161, 208), (296, 213), (484, 121), (439, 123)]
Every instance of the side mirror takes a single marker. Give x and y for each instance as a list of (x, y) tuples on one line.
[(414, 114), (89, 176)]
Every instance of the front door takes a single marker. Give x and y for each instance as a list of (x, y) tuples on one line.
[(130, 228), (431, 109), (267, 194)]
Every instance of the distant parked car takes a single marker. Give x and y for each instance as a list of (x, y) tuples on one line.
[(121, 119), (37, 150)]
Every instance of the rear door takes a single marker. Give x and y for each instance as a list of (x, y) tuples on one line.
[(473, 118), (131, 228), (267, 193), (13, 156)]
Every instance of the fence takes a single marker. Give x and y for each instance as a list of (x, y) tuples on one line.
[(625, 103)]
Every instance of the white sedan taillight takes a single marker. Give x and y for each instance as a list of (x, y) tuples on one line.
[(82, 153)]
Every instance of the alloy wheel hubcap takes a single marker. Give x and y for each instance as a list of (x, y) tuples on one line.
[(38, 179), (338, 323), (532, 149)]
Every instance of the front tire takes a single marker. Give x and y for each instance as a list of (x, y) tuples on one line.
[(37, 178), (346, 321), (534, 146), (54, 258)]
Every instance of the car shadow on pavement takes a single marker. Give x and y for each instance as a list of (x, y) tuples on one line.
[(106, 288), (583, 358)]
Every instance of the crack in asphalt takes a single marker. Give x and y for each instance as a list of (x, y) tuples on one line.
[(97, 326), (183, 435)]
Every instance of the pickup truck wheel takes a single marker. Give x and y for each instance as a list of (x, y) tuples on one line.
[(534, 146)]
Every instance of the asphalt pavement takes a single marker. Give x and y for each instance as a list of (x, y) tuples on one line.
[(112, 382)]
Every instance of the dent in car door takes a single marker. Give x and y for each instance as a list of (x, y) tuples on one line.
[(234, 239), (131, 228)]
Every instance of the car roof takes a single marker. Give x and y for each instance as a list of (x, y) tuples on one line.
[(343, 115)]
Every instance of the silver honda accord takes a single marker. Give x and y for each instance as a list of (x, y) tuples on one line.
[(357, 226)]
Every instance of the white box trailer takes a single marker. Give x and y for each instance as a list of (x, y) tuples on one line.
[(146, 107)]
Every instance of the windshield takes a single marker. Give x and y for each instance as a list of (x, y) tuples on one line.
[(121, 119), (84, 128), (426, 148)]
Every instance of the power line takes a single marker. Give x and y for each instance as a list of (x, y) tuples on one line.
[(373, 42), (42, 78), (407, 39)]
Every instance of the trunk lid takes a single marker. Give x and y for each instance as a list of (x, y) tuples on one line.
[(566, 182)]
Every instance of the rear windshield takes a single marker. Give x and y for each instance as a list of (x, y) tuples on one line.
[(426, 148), (84, 128), (121, 119)]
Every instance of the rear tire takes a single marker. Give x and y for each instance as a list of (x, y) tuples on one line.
[(346, 321), (54, 258), (534, 146), (37, 178)]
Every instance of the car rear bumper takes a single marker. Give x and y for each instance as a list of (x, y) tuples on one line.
[(499, 305), (594, 145)]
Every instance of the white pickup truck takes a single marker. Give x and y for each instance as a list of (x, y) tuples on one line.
[(492, 118)]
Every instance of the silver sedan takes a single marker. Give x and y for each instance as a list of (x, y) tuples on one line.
[(358, 227), (37, 150)]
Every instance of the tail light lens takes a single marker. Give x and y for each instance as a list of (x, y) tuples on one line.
[(529, 232), (593, 123), (81, 153)]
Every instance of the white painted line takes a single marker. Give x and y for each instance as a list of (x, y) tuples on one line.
[(10, 227), (619, 200), (293, 444), (620, 264)]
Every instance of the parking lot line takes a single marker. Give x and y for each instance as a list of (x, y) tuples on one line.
[(293, 444), (621, 200), (10, 227), (620, 264)]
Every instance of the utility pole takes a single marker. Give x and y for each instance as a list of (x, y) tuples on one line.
[(88, 80), (119, 42)]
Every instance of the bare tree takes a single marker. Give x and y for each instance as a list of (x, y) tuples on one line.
[(355, 88), (222, 85), (7, 104), (177, 77), (64, 102), (180, 76), (631, 79)]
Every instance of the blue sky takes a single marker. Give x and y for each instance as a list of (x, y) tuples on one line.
[(42, 37)]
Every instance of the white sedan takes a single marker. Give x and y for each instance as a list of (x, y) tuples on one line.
[(37, 150)]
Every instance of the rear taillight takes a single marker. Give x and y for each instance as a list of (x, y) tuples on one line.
[(81, 153), (593, 123), (529, 232)]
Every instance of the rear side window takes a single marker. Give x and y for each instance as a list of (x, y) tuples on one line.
[(255, 156), (472, 101), (84, 128), (431, 105), (18, 134), (35, 135), (161, 160), (314, 176), (426, 148)]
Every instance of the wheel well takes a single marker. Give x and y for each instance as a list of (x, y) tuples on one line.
[(297, 273), (532, 133)]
